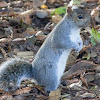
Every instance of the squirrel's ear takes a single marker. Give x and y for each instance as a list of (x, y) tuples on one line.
[(69, 12)]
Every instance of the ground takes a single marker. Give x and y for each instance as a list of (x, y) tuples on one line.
[(25, 24)]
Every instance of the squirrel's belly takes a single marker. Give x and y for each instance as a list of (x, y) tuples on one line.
[(62, 63)]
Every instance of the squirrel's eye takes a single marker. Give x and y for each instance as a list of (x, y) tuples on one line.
[(80, 17)]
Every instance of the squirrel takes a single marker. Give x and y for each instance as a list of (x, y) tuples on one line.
[(50, 61)]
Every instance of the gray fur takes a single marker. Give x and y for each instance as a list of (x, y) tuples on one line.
[(50, 61), (58, 41), (12, 73)]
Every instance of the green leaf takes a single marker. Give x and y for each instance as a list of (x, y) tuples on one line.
[(77, 2), (86, 57), (93, 87), (93, 41), (95, 36), (99, 3), (60, 11)]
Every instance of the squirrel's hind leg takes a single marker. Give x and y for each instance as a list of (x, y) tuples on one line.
[(53, 85)]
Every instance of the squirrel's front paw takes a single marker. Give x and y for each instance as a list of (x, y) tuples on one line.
[(78, 47), (77, 50)]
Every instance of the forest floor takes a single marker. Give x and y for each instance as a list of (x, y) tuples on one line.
[(25, 24)]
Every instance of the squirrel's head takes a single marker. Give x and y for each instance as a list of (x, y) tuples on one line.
[(79, 16)]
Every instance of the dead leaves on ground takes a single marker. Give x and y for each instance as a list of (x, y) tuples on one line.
[(21, 30), (85, 72)]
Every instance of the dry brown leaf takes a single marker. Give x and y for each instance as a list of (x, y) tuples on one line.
[(51, 1), (22, 90), (3, 4), (37, 3), (41, 97), (82, 66), (27, 20), (3, 52), (75, 80), (28, 12), (85, 48), (92, 0), (6, 96), (89, 76), (74, 74), (41, 38), (95, 11), (55, 95), (24, 16), (40, 89), (83, 80)]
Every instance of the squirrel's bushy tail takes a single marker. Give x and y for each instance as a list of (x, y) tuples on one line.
[(12, 72)]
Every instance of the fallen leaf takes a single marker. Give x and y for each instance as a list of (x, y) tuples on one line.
[(44, 7), (81, 66), (83, 80), (3, 4), (55, 95), (51, 1), (22, 91), (88, 95)]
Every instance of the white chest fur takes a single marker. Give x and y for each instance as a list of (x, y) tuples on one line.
[(62, 63), (75, 34)]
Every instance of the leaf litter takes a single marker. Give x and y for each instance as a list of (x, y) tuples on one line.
[(23, 30)]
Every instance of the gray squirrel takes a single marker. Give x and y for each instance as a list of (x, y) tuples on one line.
[(50, 61)]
